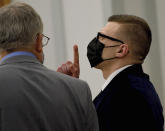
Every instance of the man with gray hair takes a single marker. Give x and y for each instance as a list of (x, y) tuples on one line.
[(32, 97)]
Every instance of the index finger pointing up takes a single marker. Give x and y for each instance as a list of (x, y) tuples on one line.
[(76, 54)]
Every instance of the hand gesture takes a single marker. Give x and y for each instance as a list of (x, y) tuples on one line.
[(69, 68)]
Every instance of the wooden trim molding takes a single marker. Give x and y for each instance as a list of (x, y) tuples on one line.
[(4, 2)]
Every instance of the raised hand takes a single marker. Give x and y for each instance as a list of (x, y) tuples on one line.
[(69, 68)]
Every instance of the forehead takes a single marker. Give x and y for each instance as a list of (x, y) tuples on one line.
[(111, 28)]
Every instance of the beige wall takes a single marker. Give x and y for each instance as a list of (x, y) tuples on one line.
[(161, 36)]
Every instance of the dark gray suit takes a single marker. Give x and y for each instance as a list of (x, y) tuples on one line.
[(34, 98)]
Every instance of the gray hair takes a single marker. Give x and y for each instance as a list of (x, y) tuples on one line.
[(19, 26)]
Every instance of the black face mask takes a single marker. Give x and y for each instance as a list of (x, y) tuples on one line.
[(95, 49)]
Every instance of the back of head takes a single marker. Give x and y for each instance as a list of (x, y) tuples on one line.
[(19, 25), (136, 32)]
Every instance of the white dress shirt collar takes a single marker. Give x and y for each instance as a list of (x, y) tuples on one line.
[(113, 75)]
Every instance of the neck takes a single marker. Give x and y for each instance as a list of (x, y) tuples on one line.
[(109, 68), (4, 52)]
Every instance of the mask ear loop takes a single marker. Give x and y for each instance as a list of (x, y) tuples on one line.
[(109, 58), (110, 47), (111, 38)]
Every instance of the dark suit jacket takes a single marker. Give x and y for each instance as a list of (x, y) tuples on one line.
[(34, 98), (129, 103)]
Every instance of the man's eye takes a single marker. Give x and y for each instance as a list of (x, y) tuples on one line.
[(101, 38)]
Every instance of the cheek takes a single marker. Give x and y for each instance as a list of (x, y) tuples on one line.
[(108, 53)]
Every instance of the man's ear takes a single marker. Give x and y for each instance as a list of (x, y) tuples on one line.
[(122, 51), (38, 45)]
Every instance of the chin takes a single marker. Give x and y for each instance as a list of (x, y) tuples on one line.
[(99, 66)]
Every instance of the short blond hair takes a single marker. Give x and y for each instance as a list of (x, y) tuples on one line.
[(136, 31)]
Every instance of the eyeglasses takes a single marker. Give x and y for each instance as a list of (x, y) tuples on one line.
[(108, 37), (45, 40)]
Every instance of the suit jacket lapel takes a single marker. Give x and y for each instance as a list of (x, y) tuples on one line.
[(99, 98)]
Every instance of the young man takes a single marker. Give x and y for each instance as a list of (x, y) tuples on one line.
[(128, 101)]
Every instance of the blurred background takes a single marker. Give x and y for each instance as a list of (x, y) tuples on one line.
[(69, 22)]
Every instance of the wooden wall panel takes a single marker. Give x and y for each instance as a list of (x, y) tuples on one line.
[(4, 2)]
